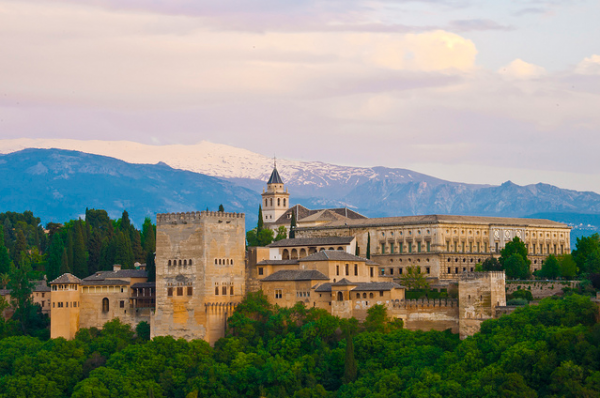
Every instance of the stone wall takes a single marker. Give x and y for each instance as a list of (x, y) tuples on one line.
[(479, 293), (540, 289), (195, 296)]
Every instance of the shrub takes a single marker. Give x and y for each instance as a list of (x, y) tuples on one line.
[(517, 302)]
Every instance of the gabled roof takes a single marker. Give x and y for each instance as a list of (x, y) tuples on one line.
[(344, 282), (275, 177), (124, 273), (371, 286), (323, 288), (330, 240), (143, 284), (304, 214), (65, 279), (295, 275), (278, 262), (335, 255), (107, 282), (41, 286)]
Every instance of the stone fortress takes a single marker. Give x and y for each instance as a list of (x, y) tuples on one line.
[(203, 269)]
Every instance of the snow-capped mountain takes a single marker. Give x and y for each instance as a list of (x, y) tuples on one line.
[(249, 169)]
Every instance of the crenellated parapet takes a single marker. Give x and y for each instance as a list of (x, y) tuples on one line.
[(194, 216), (482, 275), (425, 303)]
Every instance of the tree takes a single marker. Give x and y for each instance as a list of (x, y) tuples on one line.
[(491, 264), (550, 268), (64, 263), (592, 262), (21, 288), (20, 248), (265, 237), (4, 257), (148, 236), (515, 246), (260, 224), (349, 329), (378, 321), (55, 257), (293, 226), (281, 233), (584, 248), (413, 279), (368, 245), (568, 267), (221, 208), (151, 266), (516, 267), (79, 251)]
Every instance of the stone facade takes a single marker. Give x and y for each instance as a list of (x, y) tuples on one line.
[(479, 294), (200, 273)]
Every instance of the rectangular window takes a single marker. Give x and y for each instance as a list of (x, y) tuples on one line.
[(224, 290), (260, 271), (190, 291), (216, 290), (337, 269), (231, 290), (455, 247), (471, 247), (180, 291), (347, 270), (463, 247), (449, 270), (380, 293), (497, 251), (419, 247), (400, 271), (391, 271), (447, 246), (478, 248), (371, 272), (382, 271), (485, 247), (427, 269), (356, 269), (410, 247), (42, 304), (391, 248), (456, 270), (428, 246), (122, 304), (53, 305), (400, 248), (383, 248), (67, 304), (278, 293)]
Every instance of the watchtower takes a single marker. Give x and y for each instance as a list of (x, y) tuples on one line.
[(276, 199), (65, 303)]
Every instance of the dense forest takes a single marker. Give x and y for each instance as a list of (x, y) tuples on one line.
[(80, 247), (548, 350)]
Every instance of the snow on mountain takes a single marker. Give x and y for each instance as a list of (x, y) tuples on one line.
[(228, 162)]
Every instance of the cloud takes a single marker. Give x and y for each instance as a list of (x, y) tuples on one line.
[(519, 69), (467, 25), (589, 66)]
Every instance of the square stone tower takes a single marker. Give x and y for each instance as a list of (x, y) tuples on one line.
[(479, 293), (200, 273)]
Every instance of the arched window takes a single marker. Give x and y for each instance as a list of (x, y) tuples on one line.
[(184, 262), (278, 201), (357, 295), (271, 201), (190, 262), (340, 248), (169, 262), (219, 261), (294, 254), (179, 262), (284, 202), (105, 305), (216, 261), (266, 202), (370, 295), (302, 253), (340, 296), (285, 255), (231, 262), (364, 295)]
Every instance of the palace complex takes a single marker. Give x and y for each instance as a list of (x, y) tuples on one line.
[(203, 269)]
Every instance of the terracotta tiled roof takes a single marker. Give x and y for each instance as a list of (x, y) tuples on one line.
[(295, 275), (330, 240), (66, 278), (333, 255)]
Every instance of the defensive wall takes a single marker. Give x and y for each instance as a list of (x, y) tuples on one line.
[(540, 289)]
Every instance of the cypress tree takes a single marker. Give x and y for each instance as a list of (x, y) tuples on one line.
[(136, 246), (148, 237), (293, 226), (64, 263), (95, 252), (368, 246), (69, 246), (221, 208), (79, 268), (350, 369), (55, 258), (4, 257), (151, 267), (20, 247), (261, 224)]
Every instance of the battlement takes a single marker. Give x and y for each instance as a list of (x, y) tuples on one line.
[(482, 275), (193, 216), (423, 303)]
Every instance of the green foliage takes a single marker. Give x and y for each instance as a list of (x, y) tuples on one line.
[(517, 301), (143, 330), (261, 223), (550, 268), (377, 320), (516, 267), (413, 279), (293, 226), (262, 238), (368, 245), (491, 264), (521, 294), (221, 208), (568, 267), (4, 257), (586, 249), (281, 233)]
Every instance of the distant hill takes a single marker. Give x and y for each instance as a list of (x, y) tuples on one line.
[(58, 185)]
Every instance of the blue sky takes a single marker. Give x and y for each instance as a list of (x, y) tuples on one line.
[(474, 91)]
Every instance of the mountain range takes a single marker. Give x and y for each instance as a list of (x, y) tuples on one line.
[(147, 179)]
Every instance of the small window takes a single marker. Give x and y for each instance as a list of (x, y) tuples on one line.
[(216, 261), (347, 270), (53, 305), (260, 271), (190, 291), (278, 293), (355, 269), (224, 290), (185, 262), (231, 290), (216, 290), (105, 305), (170, 292), (357, 295), (428, 270), (67, 304), (231, 262), (180, 291), (371, 272), (380, 293), (122, 304), (180, 262), (364, 295), (337, 269), (370, 295), (169, 262)]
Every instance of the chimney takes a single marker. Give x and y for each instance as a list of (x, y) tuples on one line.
[(117, 267)]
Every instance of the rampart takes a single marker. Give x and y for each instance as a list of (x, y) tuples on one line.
[(190, 217), (540, 289)]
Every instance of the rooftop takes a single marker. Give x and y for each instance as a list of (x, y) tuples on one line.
[(278, 262), (371, 286), (124, 273), (295, 275), (330, 240), (108, 282), (66, 279), (275, 177), (336, 255)]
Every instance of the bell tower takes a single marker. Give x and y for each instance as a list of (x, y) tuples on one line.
[(275, 200)]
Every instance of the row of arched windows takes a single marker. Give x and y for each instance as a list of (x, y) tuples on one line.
[(223, 289), (295, 254), (181, 262), (61, 304), (269, 202), (223, 261)]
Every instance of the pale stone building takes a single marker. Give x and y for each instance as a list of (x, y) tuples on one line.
[(200, 273)]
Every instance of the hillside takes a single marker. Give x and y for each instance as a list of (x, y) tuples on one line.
[(58, 185)]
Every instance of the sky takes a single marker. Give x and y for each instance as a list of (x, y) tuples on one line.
[(474, 91)]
